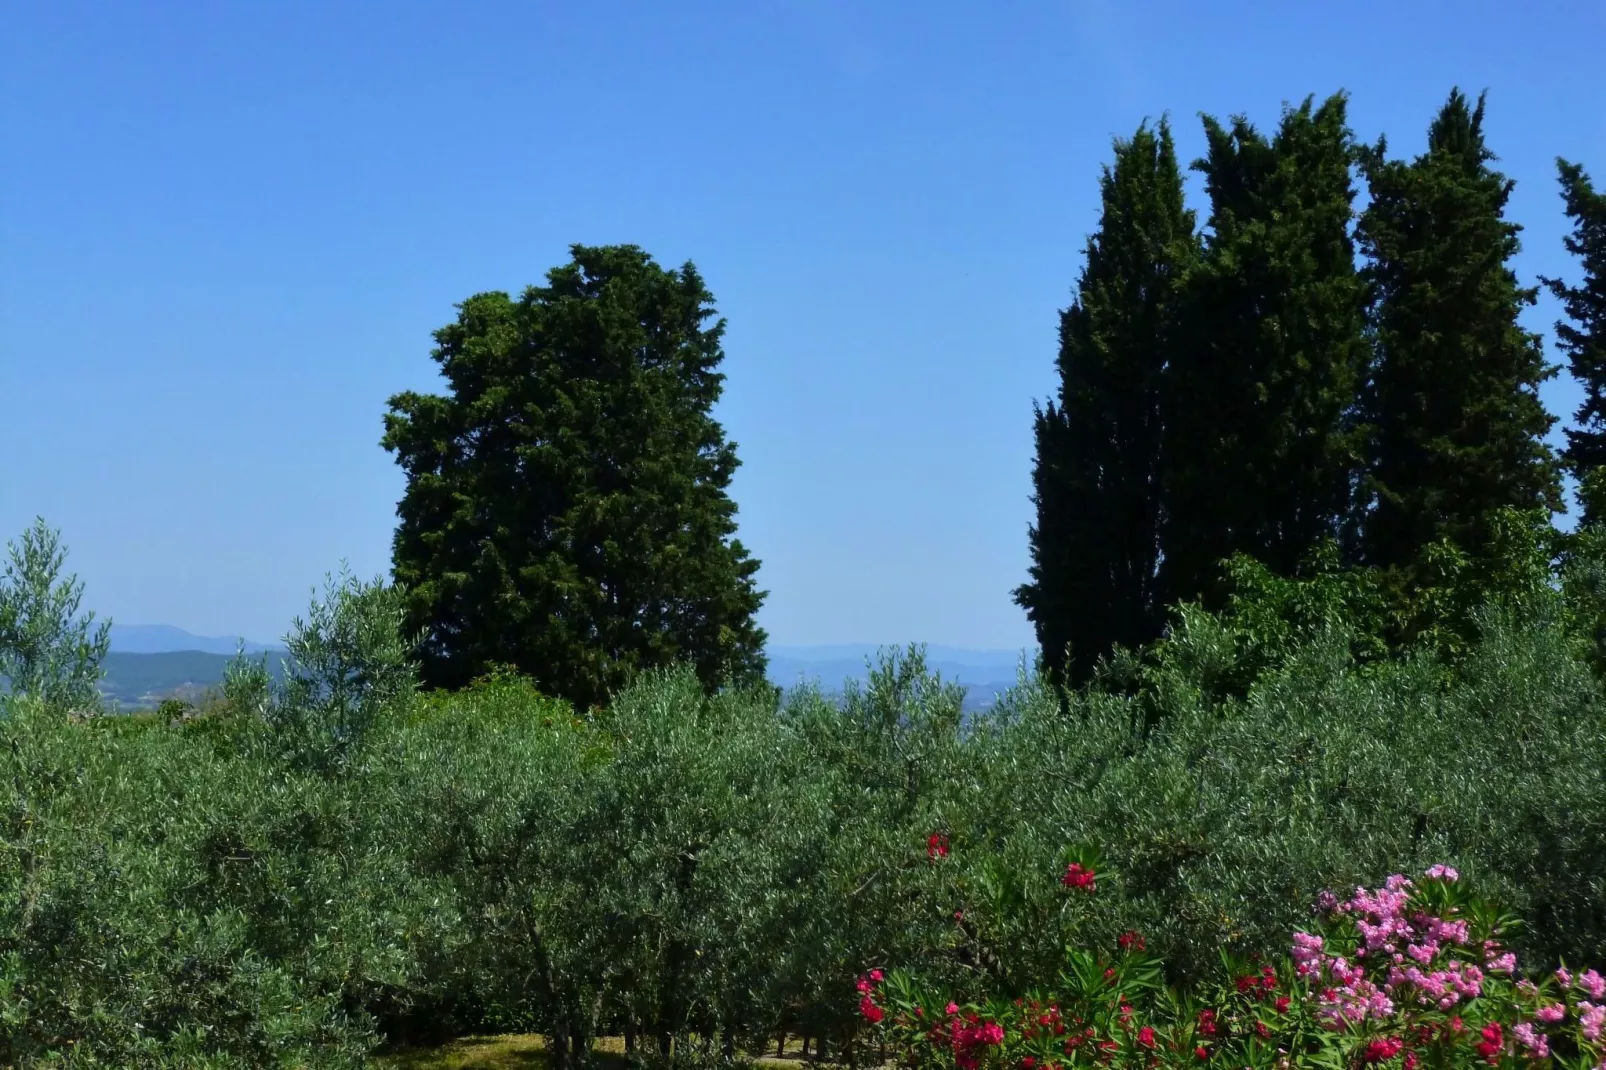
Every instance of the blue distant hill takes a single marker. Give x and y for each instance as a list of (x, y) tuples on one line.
[(166, 639), (984, 674), (150, 662)]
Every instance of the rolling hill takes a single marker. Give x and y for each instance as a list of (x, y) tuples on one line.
[(148, 663)]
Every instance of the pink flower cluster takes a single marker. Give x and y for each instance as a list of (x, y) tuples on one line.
[(1410, 946), (1591, 1012)]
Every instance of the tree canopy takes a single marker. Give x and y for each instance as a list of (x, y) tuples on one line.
[(1455, 422), (1095, 544), (566, 513), (1582, 334)]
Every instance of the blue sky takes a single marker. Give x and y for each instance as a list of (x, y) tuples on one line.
[(227, 230)]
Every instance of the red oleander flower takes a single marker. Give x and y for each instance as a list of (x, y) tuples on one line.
[(871, 1012), (1079, 877), (937, 845), (1493, 1042)]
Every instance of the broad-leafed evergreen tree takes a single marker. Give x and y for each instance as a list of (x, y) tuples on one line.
[(566, 512), (1582, 335), (1456, 428), (1261, 453), (1095, 543)]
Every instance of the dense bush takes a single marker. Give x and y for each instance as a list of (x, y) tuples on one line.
[(308, 869), (1412, 973)]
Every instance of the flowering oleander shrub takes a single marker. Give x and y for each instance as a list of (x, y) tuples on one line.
[(1411, 975)]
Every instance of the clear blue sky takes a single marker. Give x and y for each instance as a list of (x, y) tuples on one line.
[(227, 230)]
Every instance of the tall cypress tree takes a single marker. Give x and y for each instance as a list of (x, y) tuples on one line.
[(1456, 426), (1582, 335), (566, 511), (1095, 543), (1261, 453)]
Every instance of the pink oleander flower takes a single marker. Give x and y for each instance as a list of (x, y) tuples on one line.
[(1503, 963), (1565, 978), (1352, 1003), (1424, 952), (1551, 1012), (1537, 1043), (1591, 1019), (1593, 983), (1453, 931), (1307, 954), (1443, 873)]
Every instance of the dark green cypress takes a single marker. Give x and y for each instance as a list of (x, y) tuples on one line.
[(1582, 334), (1455, 423), (1261, 454), (1095, 543), (566, 512)]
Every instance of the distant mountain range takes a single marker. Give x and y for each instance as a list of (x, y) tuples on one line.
[(166, 639), (150, 662)]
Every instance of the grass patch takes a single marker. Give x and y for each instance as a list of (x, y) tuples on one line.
[(525, 1051)]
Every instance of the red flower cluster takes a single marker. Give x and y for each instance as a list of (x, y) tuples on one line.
[(1079, 877), (1131, 939), (867, 1004), (1382, 1050), (1493, 1043), (1263, 985), (966, 1035), (936, 846)]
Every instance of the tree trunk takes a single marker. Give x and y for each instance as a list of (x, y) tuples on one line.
[(558, 1046)]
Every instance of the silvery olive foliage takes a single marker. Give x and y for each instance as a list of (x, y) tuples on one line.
[(48, 652), (304, 872)]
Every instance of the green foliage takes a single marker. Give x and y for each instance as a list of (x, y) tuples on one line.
[(349, 666), (566, 511), (1454, 418), (704, 872), (1260, 455), (1582, 335), (47, 651), (1095, 544)]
